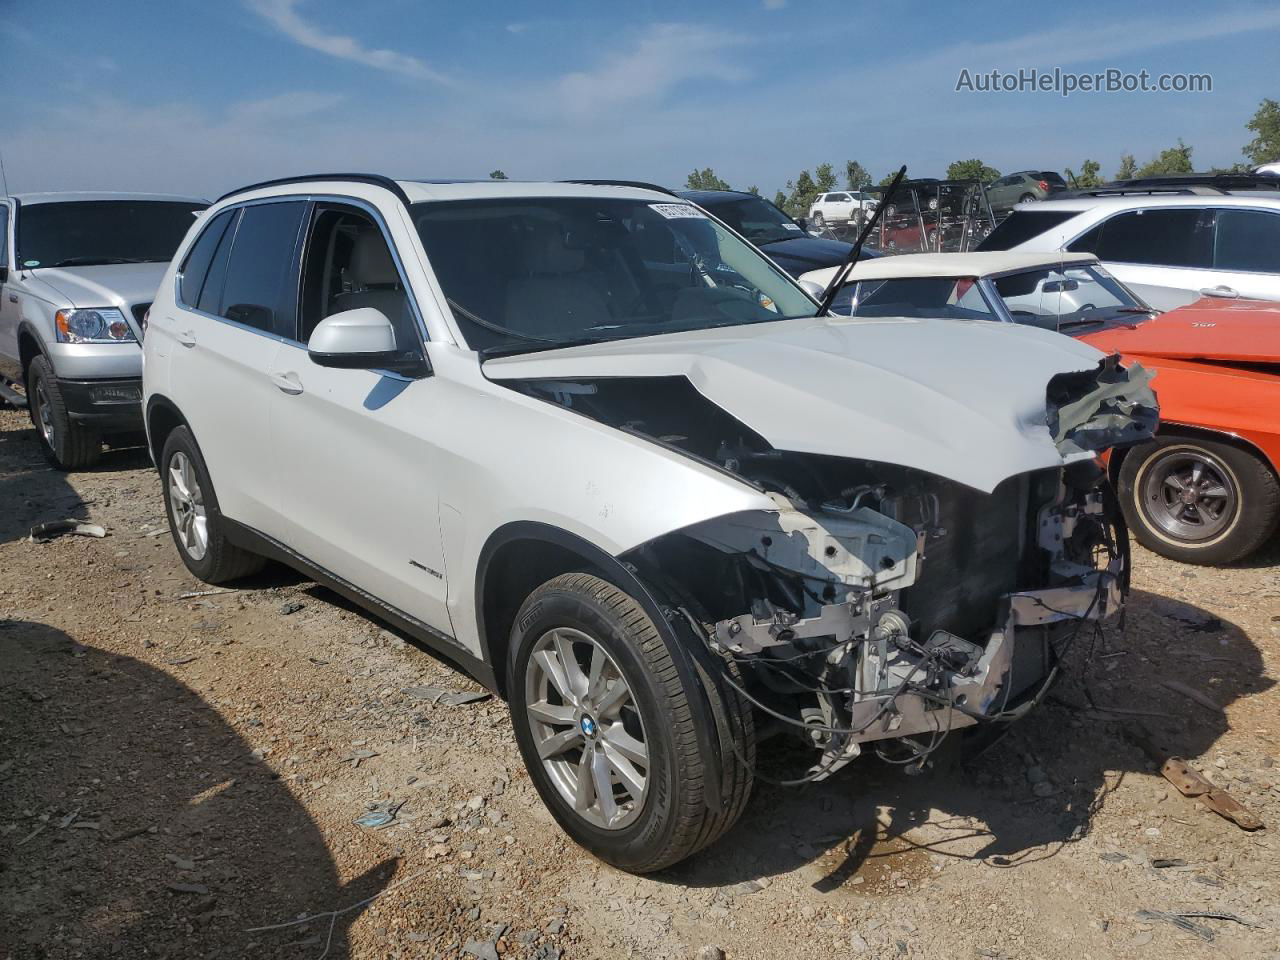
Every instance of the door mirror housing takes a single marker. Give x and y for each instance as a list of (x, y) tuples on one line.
[(362, 339)]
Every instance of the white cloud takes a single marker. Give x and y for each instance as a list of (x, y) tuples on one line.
[(517, 27), (774, 4), (284, 107), (284, 16), (666, 55)]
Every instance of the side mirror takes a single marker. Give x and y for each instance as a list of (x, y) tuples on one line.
[(362, 339), (812, 288)]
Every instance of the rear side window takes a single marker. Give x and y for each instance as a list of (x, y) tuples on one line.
[(195, 269), (260, 289), (1247, 240), (4, 234), (1166, 238), (1021, 225)]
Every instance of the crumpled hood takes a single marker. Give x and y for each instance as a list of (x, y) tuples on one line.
[(1240, 331), (108, 285), (959, 399)]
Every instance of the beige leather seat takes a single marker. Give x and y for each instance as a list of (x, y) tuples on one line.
[(555, 297), (374, 280)]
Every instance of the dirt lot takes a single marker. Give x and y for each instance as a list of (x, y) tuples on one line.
[(179, 771)]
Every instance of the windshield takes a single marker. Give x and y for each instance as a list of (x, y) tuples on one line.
[(756, 219), (957, 298), (529, 274), (1062, 298), (92, 232)]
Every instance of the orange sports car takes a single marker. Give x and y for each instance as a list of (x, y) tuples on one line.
[(1206, 489)]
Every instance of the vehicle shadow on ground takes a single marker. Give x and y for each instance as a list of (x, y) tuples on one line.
[(138, 821), (33, 492), (874, 829)]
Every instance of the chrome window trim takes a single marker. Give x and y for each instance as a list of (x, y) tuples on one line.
[(311, 198)]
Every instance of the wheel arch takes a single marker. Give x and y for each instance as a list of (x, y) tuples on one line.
[(162, 418), (1168, 431), (520, 556), (29, 347)]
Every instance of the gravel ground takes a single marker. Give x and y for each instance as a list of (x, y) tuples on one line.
[(178, 771)]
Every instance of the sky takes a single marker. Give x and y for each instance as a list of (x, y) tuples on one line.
[(201, 96)]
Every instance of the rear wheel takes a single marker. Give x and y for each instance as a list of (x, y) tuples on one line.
[(819, 220), (67, 444), (1026, 197), (1199, 501), (198, 528), (604, 724)]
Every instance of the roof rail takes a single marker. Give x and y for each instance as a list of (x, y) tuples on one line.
[(1223, 181), (371, 178), (638, 184), (1203, 190)]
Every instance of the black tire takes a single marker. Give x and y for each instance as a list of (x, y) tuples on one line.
[(1253, 499), (819, 220), (66, 443), (1026, 198), (673, 820), (221, 560)]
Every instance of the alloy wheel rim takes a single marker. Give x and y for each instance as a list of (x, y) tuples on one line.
[(186, 501), (586, 728), (1189, 495), (44, 415)]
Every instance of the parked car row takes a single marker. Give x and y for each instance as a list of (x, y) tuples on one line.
[(588, 442)]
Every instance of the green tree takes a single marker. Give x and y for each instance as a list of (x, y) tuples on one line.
[(1171, 160), (1128, 167), (753, 189), (1265, 147), (824, 177), (497, 175), (802, 195), (705, 179), (780, 200), (856, 176), (1089, 175), (972, 170), (888, 178)]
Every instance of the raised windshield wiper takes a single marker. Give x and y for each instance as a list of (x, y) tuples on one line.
[(96, 261), (838, 279)]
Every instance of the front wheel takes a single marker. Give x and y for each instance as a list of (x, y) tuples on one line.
[(819, 220), (65, 442), (604, 724), (1198, 501)]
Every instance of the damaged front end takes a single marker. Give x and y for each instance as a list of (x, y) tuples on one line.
[(883, 603)]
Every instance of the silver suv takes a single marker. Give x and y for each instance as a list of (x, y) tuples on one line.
[(77, 274)]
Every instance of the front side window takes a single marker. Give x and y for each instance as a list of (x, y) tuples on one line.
[(1247, 240), (348, 265), (956, 298), (1067, 297), (1179, 237), (757, 219), (4, 234), (259, 290), (528, 274), (95, 232)]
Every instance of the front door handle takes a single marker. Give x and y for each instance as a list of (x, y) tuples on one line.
[(288, 382), (1221, 290), (186, 337)]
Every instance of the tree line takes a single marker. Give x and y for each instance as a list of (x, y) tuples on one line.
[(798, 195)]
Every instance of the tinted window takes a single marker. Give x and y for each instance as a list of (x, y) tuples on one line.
[(1054, 179), (756, 219), (4, 235), (211, 292), (260, 290), (1021, 225), (85, 233), (1247, 240), (196, 267), (1167, 238)]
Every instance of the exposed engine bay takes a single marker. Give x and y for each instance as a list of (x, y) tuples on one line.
[(879, 603)]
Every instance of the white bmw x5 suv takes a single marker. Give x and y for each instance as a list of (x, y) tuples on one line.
[(588, 443)]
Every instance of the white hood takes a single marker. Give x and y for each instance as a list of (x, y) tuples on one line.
[(960, 399)]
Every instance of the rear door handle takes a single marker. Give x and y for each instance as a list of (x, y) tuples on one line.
[(186, 337), (288, 383), (1219, 291)]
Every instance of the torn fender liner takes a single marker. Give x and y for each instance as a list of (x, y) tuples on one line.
[(1113, 406), (954, 398)]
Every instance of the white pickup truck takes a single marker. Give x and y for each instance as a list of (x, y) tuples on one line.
[(77, 274)]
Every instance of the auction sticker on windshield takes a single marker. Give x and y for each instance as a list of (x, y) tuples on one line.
[(678, 211)]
